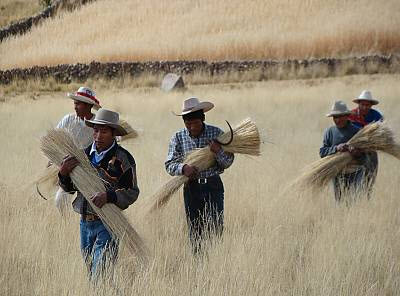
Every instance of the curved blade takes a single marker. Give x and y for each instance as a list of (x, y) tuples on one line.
[(230, 140)]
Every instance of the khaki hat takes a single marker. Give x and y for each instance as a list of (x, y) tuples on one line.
[(366, 96), (339, 108), (193, 104), (86, 95), (107, 118)]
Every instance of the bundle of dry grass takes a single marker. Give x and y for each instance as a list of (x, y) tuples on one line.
[(58, 143), (246, 140), (373, 137), (131, 132)]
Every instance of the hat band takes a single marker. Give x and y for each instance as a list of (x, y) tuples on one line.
[(88, 96)]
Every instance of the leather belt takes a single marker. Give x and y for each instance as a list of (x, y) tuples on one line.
[(90, 217)]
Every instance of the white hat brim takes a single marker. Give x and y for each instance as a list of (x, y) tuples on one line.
[(120, 130), (373, 101), (330, 114), (84, 100), (205, 106)]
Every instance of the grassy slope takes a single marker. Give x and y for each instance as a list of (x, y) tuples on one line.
[(121, 30), (14, 10), (275, 243)]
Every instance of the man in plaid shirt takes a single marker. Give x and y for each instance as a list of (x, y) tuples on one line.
[(204, 192)]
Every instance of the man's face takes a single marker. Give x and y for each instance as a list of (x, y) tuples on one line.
[(81, 108), (341, 121), (194, 126), (103, 137), (364, 107)]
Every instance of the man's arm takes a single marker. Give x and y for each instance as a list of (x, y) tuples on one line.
[(174, 162), (224, 159), (327, 147), (127, 190), (64, 180)]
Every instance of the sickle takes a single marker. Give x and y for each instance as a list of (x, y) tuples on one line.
[(230, 140), (38, 191)]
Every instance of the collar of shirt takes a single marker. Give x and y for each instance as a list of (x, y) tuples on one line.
[(98, 156)]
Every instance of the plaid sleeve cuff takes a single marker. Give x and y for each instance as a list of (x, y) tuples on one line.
[(180, 168)]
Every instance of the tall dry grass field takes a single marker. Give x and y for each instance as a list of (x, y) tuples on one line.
[(276, 242), (14, 10), (122, 30)]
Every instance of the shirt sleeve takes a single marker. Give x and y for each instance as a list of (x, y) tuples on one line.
[(126, 191), (327, 147), (174, 162), (63, 122), (224, 159), (65, 183)]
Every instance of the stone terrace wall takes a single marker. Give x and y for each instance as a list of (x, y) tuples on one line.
[(267, 69), (26, 24)]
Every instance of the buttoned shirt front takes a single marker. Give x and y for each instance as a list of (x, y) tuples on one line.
[(182, 143)]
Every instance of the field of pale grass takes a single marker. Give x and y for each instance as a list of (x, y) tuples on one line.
[(276, 241), (14, 10), (131, 30)]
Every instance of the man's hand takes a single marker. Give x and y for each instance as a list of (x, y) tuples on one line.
[(99, 199), (342, 147), (67, 165), (215, 147), (354, 151), (190, 171)]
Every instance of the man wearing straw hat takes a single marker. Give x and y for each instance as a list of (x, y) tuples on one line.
[(204, 192), (117, 169), (84, 100), (335, 138), (361, 116)]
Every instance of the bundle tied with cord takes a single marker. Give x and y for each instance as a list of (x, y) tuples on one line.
[(58, 143), (377, 136), (246, 140)]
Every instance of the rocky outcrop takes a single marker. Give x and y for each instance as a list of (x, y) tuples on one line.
[(264, 70)]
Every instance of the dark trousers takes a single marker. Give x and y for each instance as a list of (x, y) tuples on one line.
[(204, 206), (352, 183)]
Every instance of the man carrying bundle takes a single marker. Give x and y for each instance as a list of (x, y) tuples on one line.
[(361, 116), (204, 192), (84, 100), (335, 138), (117, 169)]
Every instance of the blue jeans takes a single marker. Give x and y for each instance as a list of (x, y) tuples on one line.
[(98, 248)]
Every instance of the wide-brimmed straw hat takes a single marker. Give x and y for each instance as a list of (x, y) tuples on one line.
[(193, 104), (107, 118), (366, 96), (339, 108), (86, 95)]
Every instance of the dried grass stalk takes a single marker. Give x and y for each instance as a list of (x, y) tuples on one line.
[(58, 143), (374, 137), (246, 140)]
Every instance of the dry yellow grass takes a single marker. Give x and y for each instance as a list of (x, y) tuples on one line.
[(274, 244), (14, 10), (121, 30)]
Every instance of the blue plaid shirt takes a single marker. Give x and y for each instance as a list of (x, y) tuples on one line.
[(182, 143)]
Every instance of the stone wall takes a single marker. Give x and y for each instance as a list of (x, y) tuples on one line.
[(267, 69), (26, 24)]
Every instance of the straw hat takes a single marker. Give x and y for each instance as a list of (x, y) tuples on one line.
[(366, 96), (193, 104), (107, 118), (339, 108), (86, 95)]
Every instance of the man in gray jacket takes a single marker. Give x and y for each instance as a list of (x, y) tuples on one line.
[(117, 168), (335, 139)]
